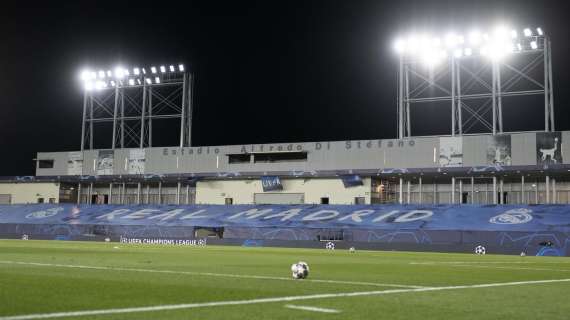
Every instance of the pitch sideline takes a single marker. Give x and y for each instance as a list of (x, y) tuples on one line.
[(266, 300)]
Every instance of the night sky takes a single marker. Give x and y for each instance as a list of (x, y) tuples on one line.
[(267, 71)]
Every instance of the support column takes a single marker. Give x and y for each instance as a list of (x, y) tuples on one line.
[(409, 192), (124, 193), (401, 191), (499, 98), (554, 200), (420, 200), (115, 110), (147, 194), (110, 193), (453, 113), (550, 88), (501, 192), (183, 114), (79, 193), (546, 89), (143, 107), (434, 192), (460, 191), (536, 193), (160, 192), (187, 194), (494, 96), (453, 190), (522, 190), (84, 120), (139, 193), (401, 99), (494, 190), (150, 117), (178, 185), (472, 190), (547, 189), (407, 97), (459, 107), (90, 193)]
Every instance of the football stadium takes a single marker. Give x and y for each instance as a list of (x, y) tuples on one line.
[(471, 224)]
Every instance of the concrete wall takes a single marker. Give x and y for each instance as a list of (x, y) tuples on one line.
[(421, 152), (21, 193), (243, 191)]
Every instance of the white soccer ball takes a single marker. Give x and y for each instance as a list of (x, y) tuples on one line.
[(480, 250), (300, 270), (352, 250), (329, 245)]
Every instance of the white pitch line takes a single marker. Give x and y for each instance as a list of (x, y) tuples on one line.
[(265, 300), (488, 262), (314, 309), (509, 268), (209, 274)]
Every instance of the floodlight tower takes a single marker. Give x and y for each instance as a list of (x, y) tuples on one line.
[(132, 99), (474, 73)]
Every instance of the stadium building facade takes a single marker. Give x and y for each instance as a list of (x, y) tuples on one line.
[(516, 168)]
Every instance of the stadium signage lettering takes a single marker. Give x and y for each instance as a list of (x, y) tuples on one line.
[(357, 216), (321, 146), (177, 242)]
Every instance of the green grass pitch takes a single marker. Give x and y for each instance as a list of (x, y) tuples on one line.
[(53, 279)]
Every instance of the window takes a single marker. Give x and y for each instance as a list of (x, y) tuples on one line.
[(45, 164), (40, 200), (51, 200), (229, 201), (280, 157), (239, 158), (325, 200), (359, 200)]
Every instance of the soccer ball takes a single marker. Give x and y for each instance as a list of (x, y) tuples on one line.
[(480, 250), (352, 250), (329, 245), (300, 270)]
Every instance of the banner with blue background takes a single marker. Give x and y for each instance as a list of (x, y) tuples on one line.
[(384, 217)]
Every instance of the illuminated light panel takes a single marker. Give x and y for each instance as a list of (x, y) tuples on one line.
[(148, 81), (153, 70), (131, 82), (162, 69), (181, 67), (533, 45), (172, 69), (136, 71)]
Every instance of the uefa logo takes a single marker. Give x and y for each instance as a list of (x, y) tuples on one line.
[(513, 216)]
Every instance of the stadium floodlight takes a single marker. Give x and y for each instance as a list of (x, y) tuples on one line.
[(148, 81), (88, 86), (527, 32), (131, 82), (519, 47), (136, 71), (126, 71), (181, 67), (475, 37), (101, 74), (399, 46), (85, 75), (514, 34), (143, 70), (156, 80), (458, 53), (119, 73), (468, 52), (450, 40), (112, 83), (533, 45), (139, 81), (153, 70), (539, 31), (99, 85), (162, 69), (109, 74), (172, 69), (93, 75)]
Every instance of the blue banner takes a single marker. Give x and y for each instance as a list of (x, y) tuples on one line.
[(384, 217), (271, 183), (351, 180)]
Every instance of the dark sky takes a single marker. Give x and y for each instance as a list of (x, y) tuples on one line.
[(266, 71)]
